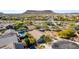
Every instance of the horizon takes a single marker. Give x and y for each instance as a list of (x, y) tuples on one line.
[(60, 6), (22, 11)]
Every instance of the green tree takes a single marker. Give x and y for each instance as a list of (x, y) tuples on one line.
[(30, 40)]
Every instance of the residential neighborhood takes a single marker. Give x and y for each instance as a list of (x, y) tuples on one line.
[(39, 30)]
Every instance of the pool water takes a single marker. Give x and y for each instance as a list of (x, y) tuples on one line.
[(22, 33)]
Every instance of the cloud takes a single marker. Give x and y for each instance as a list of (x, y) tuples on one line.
[(22, 5)]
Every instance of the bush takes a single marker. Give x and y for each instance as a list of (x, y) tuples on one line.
[(41, 47), (30, 40), (19, 25), (38, 27), (66, 34), (45, 39)]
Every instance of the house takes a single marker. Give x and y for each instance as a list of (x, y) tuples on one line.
[(65, 44), (36, 34), (9, 40), (9, 31), (13, 46), (18, 46), (8, 37)]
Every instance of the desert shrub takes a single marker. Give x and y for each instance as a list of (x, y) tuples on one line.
[(45, 39), (66, 34), (41, 47), (30, 40)]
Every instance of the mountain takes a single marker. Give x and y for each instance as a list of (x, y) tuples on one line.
[(1, 13), (38, 12)]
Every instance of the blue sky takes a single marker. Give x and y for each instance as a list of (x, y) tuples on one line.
[(19, 6), (67, 11)]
